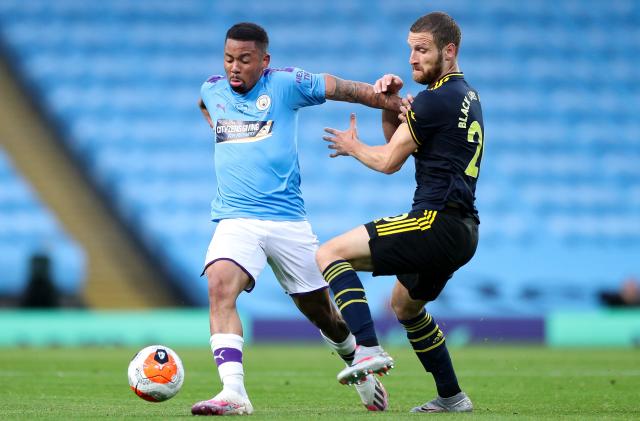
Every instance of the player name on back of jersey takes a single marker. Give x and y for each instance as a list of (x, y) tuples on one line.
[(241, 131), (464, 108)]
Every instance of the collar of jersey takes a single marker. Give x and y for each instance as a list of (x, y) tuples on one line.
[(445, 78)]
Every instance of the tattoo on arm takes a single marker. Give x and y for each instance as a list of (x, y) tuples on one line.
[(362, 93), (346, 90)]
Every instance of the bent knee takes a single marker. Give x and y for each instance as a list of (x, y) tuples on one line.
[(322, 316), (325, 255), (404, 310), (398, 308)]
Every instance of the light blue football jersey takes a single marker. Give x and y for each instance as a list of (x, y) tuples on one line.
[(256, 143)]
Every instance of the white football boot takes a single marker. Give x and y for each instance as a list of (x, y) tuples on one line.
[(456, 403), (367, 361), (373, 394), (226, 402)]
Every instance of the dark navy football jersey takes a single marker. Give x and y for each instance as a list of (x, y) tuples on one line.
[(446, 123)]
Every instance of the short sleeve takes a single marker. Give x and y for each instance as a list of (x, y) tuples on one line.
[(208, 85), (301, 88), (424, 117)]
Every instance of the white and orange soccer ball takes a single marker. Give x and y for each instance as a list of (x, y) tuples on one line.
[(156, 373)]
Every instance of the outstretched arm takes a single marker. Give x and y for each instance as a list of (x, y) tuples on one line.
[(362, 93), (387, 158)]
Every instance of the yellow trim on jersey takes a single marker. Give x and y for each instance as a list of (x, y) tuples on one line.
[(430, 348), (412, 115), (425, 336), (337, 270), (444, 79), (335, 297), (351, 302)]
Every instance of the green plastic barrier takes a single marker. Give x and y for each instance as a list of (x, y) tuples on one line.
[(88, 328), (611, 328)]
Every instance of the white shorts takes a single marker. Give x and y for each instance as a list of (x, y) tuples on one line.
[(288, 246)]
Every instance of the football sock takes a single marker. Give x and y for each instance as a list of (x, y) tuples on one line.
[(428, 343), (348, 294), (345, 349), (227, 353)]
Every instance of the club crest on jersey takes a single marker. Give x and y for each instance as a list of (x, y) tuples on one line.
[(263, 102)]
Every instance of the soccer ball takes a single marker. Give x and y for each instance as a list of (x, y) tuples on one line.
[(156, 373)]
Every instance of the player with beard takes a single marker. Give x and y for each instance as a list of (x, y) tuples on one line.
[(443, 130), (259, 208)]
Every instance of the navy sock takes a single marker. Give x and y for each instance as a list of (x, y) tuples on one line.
[(348, 293), (427, 341)]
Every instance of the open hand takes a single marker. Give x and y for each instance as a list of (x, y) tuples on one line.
[(343, 142)]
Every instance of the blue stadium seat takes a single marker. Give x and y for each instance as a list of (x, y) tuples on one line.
[(559, 176), (27, 228)]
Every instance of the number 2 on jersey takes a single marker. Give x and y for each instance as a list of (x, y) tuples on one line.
[(472, 168)]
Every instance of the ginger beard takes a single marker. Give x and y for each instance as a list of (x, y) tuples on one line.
[(431, 74), (426, 58)]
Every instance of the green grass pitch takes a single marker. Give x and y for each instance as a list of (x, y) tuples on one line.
[(294, 382)]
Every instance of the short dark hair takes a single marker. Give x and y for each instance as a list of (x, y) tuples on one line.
[(247, 31), (445, 30)]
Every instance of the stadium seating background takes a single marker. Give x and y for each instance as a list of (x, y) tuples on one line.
[(559, 190), (28, 229)]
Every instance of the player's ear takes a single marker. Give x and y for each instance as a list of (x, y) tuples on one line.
[(266, 59), (450, 51)]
